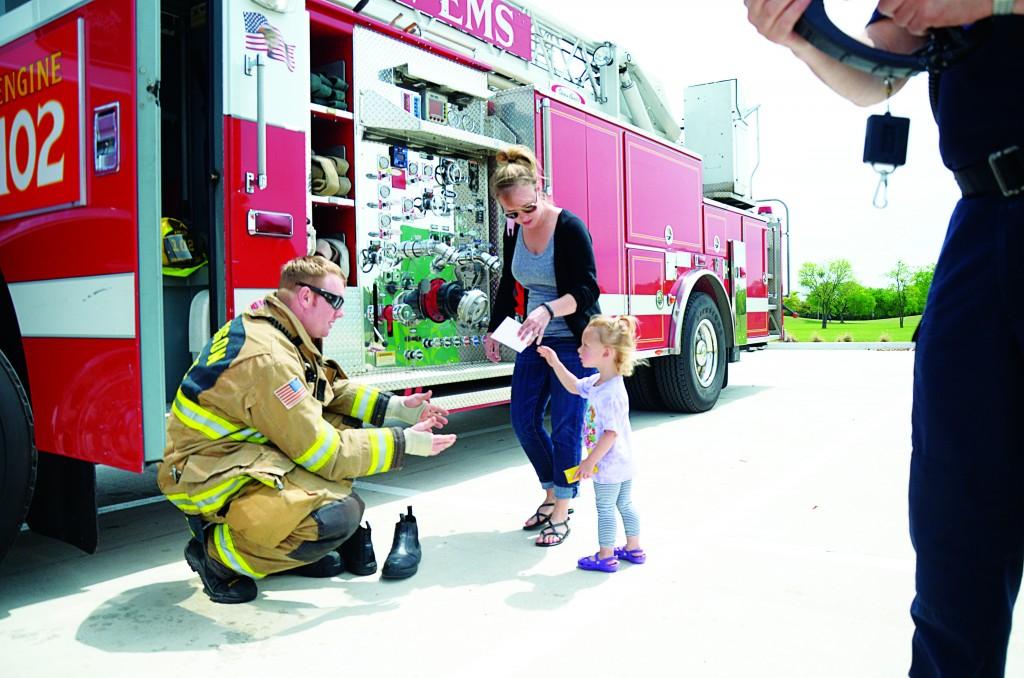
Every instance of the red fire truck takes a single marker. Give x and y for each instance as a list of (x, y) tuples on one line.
[(159, 161)]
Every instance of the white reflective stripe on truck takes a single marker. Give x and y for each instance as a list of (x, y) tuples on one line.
[(99, 306)]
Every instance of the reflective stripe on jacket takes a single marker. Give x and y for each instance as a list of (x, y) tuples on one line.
[(253, 406)]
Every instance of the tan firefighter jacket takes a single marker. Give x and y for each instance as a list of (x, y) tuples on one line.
[(259, 401)]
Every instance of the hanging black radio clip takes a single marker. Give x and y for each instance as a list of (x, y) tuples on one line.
[(885, 143)]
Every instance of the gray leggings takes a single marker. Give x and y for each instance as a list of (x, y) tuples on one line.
[(609, 496)]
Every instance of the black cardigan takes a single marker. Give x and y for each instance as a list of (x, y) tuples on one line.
[(575, 274)]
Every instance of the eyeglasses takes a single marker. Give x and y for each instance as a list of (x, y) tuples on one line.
[(525, 209), (335, 300)]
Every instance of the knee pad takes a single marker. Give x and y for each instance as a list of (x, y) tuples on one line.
[(339, 519), (335, 522)]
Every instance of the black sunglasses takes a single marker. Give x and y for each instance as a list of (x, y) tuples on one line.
[(525, 209), (335, 300)]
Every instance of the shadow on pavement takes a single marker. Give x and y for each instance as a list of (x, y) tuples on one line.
[(177, 616)]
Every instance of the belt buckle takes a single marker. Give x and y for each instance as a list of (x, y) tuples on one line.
[(1007, 162)]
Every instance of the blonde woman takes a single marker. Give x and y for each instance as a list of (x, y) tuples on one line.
[(548, 251)]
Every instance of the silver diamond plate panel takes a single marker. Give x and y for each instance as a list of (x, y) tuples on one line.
[(445, 374), (345, 342), (494, 127), (515, 109), (380, 115), (466, 401)]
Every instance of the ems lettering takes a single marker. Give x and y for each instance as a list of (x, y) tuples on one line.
[(446, 11), (479, 14), (23, 132), (494, 20), (503, 18)]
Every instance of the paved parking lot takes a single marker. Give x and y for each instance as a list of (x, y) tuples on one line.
[(775, 525)]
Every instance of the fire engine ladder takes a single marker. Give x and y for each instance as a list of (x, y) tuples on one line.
[(606, 76), (615, 81)]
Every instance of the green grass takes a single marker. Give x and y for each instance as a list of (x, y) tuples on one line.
[(804, 329)]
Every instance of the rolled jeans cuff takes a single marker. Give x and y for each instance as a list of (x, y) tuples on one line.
[(560, 492)]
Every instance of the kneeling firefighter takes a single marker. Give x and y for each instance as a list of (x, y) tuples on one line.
[(266, 436)]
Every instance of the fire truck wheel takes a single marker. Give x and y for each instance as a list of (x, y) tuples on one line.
[(692, 380), (643, 389), (17, 455)]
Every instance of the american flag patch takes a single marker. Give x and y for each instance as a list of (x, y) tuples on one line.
[(291, 393)]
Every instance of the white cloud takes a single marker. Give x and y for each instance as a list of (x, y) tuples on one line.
[(811, 140)]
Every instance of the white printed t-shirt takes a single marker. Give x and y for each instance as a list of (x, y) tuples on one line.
[(607, 410)]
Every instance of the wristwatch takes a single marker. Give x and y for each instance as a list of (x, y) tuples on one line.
[(547, 307), (1002, 7)]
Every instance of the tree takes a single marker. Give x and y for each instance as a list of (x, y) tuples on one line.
[(793, 303), (900, 276), (917, 292), (883, 302), (854, 301), (823, 284)]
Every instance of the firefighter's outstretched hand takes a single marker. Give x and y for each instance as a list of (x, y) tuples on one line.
[(427, 425), (440, 443), (420, 441), (431, 410)]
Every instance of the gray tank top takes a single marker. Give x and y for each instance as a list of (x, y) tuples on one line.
[(536, 272)]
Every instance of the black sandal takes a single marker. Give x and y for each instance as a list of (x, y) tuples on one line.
[(552, 530), (540, 517)]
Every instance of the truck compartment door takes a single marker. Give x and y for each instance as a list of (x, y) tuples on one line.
[(79, 222)]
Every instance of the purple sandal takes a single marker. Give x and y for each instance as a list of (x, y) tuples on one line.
[(595, 564), (636, 556)]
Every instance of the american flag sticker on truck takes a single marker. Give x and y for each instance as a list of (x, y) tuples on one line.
[(260, 36), (291, 393)]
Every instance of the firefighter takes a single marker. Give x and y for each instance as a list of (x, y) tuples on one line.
[(967, 466), (265, 436)]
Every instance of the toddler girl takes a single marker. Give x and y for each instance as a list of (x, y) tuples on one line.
[(608, 346)]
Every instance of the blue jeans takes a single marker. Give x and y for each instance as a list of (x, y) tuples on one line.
[(534, 387), (967, 467)]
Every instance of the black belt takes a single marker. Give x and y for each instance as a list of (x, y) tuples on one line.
[(1001, 174)]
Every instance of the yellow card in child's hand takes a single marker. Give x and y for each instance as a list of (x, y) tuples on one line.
[(570, 473)]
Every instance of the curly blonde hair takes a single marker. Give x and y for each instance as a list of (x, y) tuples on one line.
[(619, 334), (517, 166), (307, 269)]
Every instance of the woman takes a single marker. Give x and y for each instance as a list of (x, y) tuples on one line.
[(550, 253)]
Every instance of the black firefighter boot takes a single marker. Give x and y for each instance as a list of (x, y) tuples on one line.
[(404, 559), (220, 583), (357, 552)]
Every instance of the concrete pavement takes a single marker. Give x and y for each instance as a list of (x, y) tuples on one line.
[(775, 525)]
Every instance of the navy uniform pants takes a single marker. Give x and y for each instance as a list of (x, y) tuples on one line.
[(967, 468)]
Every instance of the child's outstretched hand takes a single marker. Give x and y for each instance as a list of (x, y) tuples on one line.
[(549, 355)]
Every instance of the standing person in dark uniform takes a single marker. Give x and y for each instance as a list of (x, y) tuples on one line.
[(550, 253), (967, 468)]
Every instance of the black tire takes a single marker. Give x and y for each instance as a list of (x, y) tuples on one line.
[(642, 389), (17, 455), (692, 380)]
